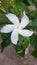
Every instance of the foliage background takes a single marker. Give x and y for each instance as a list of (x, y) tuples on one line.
[(17, 7)]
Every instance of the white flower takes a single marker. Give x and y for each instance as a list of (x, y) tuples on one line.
[(17, 27)]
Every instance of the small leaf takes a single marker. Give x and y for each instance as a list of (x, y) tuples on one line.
[(24, 41)]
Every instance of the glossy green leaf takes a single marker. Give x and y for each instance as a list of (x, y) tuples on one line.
[(24, 41), (33, 41), (6, 41)]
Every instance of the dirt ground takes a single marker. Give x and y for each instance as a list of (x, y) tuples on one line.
[(10, 57)]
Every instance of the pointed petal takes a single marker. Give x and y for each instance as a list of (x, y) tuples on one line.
[(8, 28), (25, 32), (13, 18), (24, 21), (14, 37)]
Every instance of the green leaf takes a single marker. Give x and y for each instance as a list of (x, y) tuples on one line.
[(32, 15), (17, 7), (34, 53), (34, 23), (24, 41), (2, 8), (3, 19), (6, 4), (19, 49), (22, 6), (6, 40), (33, 41)]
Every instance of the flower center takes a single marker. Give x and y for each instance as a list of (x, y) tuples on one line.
[(17, 27)]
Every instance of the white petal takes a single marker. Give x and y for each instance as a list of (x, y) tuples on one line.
[(25, 32), (14, 37), (24, 21), (8, 28), (13, 18)]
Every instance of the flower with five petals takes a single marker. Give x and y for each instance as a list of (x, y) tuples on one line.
[(17, 27)]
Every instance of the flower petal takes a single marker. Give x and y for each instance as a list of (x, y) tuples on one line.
[(25, 32), (8, 28), (14, 37), (13, 18), (24, 21)]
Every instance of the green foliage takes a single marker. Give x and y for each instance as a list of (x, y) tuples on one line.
[(22, 6), (2, 8), (22, 45), (34, 53), (32, 2), (6, 41), (33, 41), (3, 19), (24, 41), (34, 23), (16, 7), (32, 15), (5, 5), (19, 49)]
